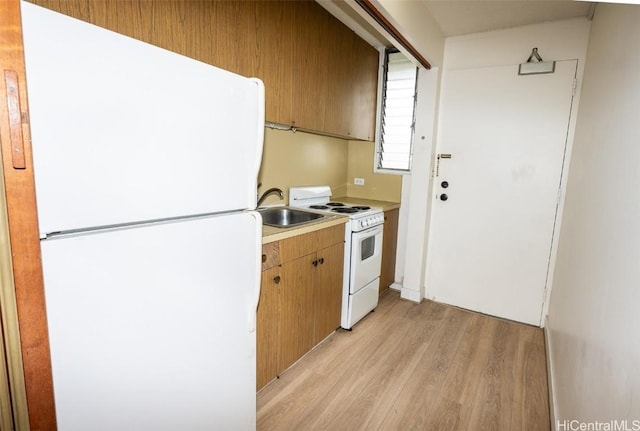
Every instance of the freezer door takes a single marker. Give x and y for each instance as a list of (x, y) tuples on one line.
[(125, 131), (152, 328)]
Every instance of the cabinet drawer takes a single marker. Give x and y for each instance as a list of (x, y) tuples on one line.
[(308, 243), (330, 236), (298, 246), (270, 255)]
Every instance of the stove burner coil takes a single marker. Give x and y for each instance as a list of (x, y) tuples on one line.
[(319, 207), (361, 207), (335, 204), (345, 210)]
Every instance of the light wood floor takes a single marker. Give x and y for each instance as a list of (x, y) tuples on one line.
[(414, 366)]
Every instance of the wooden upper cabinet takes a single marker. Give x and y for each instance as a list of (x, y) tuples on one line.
[(364, 90), (275, 56), (318, 74), (337, 115), (310, 65)]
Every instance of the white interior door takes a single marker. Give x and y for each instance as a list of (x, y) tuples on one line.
[(490, 240)]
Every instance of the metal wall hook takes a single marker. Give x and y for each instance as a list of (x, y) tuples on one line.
[(535, 65), (534, 54)]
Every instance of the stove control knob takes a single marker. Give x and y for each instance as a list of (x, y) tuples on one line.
[(362, 223)]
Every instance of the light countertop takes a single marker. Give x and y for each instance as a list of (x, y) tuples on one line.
[(385, 205), (272, 234)]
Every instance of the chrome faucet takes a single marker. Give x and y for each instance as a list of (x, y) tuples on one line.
[(269, 192)]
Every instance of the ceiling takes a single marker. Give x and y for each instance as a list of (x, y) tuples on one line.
[(458, 17), (464, 17)]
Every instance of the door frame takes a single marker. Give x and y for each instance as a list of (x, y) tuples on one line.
[(13, 398), (555, 234), (24, 238)]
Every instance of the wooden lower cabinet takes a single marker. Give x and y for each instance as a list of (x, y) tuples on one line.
[(301, 298), (328, 291), (296, 310), (267, 327), (389, 241)]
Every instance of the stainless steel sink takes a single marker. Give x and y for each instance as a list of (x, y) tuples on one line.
[(287, 217)]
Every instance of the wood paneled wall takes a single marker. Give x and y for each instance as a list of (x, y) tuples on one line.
[(318, 74)]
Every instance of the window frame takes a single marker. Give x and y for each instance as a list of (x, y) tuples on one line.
[(379, 150)]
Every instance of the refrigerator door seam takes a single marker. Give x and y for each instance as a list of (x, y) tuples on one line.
[(98, 229)]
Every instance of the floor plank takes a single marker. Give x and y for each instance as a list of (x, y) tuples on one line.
[(414, 366)]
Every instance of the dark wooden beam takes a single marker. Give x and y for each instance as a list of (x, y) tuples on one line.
[(374, 13)]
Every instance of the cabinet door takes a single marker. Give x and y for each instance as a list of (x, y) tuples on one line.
[(267, 327), (389, 240), (337, 113), (364, 90), (296, 310), (274, 57), (328, 291), (310, 64)]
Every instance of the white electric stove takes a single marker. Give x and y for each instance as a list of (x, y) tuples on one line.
[(362, 252)]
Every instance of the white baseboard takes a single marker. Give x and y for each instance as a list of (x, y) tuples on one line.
[(552, 401), (396, 286), (410, 294)]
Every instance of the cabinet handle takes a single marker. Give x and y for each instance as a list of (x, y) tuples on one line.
[(315, 262), (264, 258), (321, 261), (276, 279)]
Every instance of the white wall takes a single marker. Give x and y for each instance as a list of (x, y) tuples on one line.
[(413, 231), (594, 316), (559, 40), (415, 22)]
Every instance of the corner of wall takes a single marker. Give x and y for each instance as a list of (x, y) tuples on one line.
[(302, 159), (410, 294), (383, 187)]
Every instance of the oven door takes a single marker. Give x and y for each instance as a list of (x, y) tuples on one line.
[(366, 257)]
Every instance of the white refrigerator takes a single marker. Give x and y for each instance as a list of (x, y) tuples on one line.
[(145, 165)]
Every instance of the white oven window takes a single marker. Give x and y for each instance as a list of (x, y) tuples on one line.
[(367, 247)]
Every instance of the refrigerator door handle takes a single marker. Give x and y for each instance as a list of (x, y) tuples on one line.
[(15, 119), (260, 134), (253, 308)]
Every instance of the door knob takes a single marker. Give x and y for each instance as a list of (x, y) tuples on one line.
[(276, 279), (444, 197)]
